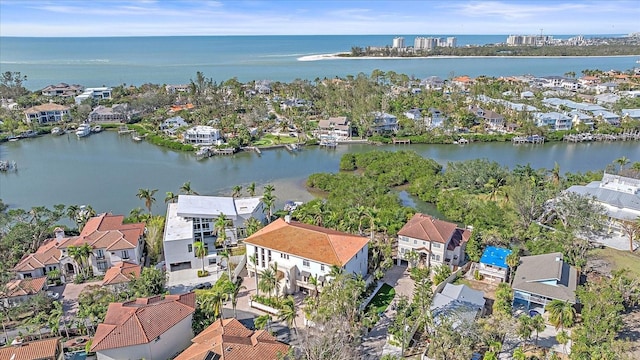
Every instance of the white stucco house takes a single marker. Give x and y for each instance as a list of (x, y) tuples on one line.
[(436, 241), (302, 251), (192, 219), (203, 135), (146, 328), (97, 93), (47, 113)]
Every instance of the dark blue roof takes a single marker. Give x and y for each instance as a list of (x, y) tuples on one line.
[(495, 256)]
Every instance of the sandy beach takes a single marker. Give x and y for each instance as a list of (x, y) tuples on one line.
[(336, 56)]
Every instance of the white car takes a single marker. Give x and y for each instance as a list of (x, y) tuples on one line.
[(53, 295)]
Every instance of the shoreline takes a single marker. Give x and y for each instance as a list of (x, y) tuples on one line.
[(336, 56)]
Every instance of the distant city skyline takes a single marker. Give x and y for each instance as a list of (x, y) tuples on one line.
[(40, 18)]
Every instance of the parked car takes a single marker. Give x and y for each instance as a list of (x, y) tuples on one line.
[(52, 295), (203, 286)]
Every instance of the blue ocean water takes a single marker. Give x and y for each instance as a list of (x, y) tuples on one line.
[(113, 61)]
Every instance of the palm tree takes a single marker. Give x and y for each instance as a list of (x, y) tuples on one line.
[(170, 198), (254, 261), (622, 161), (288, 313), (212, 301), (225, 255), (72, 213), (186, 189), (335, 271), (251, 189), (262, 321), (494, 185), (561, 313), (252, 225), (269, 188), (80, 255), (563, 338), (268, 199), (313, 280), (512, 260), (555, 174), (221, 225), (233, 289), (147, 196), (525, 329), (267, 281), (276, 281), (53, 321), (518, 354), (537, 323), (200, 251), (236, 191)]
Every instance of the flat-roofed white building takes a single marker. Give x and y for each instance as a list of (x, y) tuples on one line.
[(192, 219), (97, 93), (203, 135)]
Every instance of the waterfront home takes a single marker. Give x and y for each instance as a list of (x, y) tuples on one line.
[(111, 242), (20, 290), (578, 117), (337, 127), (493, 263), (303, 251), (459, 304), (608, 116), (619, 195), (97, 93), (44, 349), (203, 135), (436, 241), (435, 118), (47, 113), (491, 119), (62, 90), (171, 125), (540, 279), (192, 219), (115, 114), (154, 328), (383, 123), (553, 120), (413, 114), (228, 339), (631, 113), (119, 275)]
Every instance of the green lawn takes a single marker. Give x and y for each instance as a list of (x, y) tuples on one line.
[(620, 259), (382, 299), (270, 139)]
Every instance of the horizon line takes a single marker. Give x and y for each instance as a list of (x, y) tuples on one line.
[(261, 35)]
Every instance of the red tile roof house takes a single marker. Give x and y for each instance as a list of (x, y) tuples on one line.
[(111, 240), (119, 275), (303, 251), (47, 349), (228, 339), (147, 328), (17, 291), (437, 241)]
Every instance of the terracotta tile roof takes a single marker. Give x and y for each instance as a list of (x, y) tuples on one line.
[(23, 287), (107, 231), (141, 321), (308, 241), (47, 254), (425, 227), (46, 107), (230, 340), (47, 349), (121, 272)]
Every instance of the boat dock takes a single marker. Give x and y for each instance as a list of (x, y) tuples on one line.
[(635, 135), (254, 149), (401, 141), (207, 151), (124, 130), (292, 148), (533, 139), (8, 165)]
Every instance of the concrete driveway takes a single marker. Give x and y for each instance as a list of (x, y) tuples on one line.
[(70, 295)]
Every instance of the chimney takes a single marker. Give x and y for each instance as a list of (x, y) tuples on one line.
[(287, 219), (59, 233)]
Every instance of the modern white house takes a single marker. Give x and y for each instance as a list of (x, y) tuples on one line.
[(47, 113), (171, 125), (153, 328), (436, 241), (203, 135), (302, 251), (192, 219), (111, 241), (97, 93)]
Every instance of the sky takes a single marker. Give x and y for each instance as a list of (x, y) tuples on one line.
[(86, 18)]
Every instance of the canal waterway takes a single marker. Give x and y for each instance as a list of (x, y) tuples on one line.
[(106, 170)]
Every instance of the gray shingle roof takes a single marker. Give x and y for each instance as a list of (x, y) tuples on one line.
[(546, 275)]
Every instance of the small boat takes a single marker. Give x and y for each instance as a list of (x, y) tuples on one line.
[(83, 130), (13, 138), (96, 129), (57, 131), (8, 165)]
